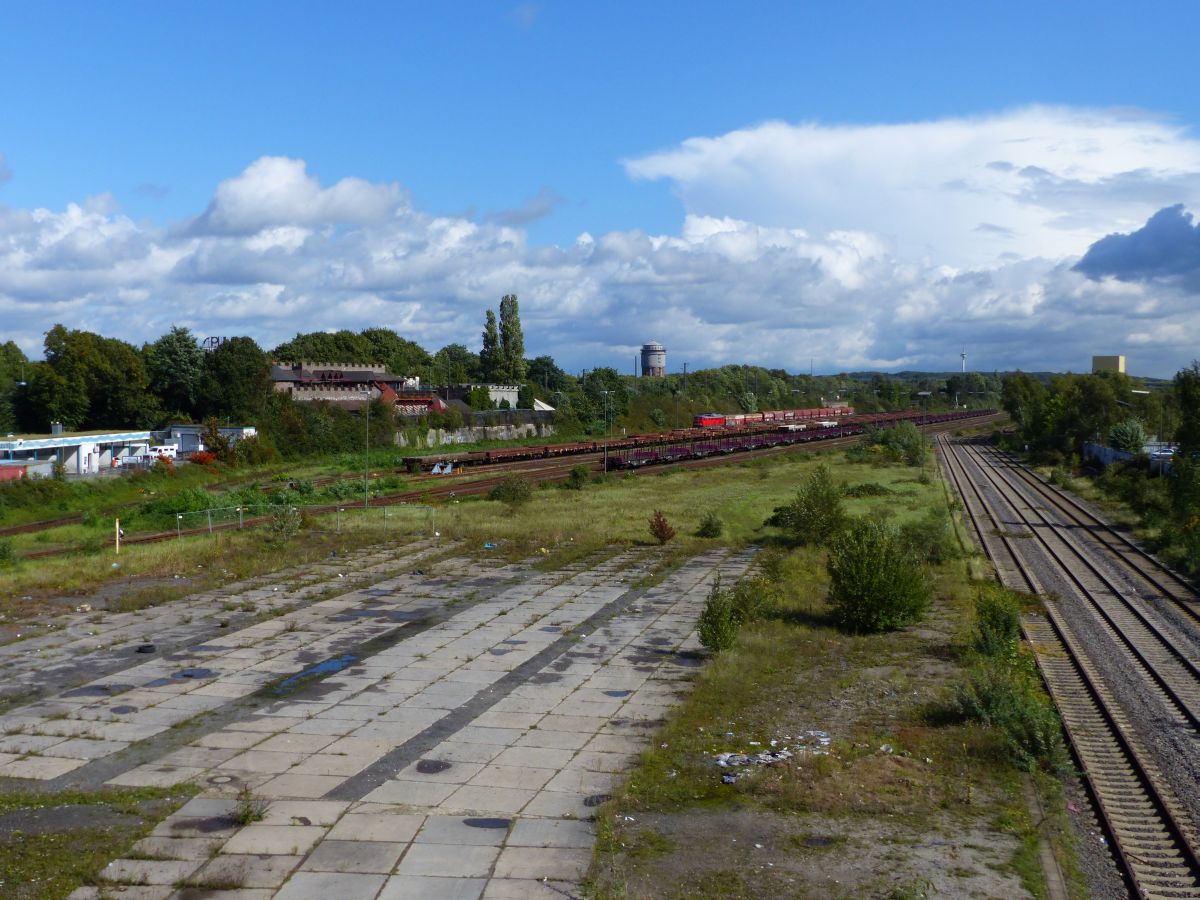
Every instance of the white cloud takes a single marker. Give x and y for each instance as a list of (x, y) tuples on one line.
[(276, 191), (276, 252), (1036, 181)]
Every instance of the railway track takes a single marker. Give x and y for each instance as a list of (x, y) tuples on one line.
[(1152, 831), (1154, 579), (552, 469)]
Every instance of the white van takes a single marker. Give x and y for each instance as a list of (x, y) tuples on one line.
[(163, 451)]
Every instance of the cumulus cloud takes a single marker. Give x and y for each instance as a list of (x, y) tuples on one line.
[(1039, 181), (1168, 245), (276, 190), (276, 252)]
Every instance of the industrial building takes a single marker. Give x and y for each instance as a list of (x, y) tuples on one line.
[(1108, 364), (90, 453), (654, 360)]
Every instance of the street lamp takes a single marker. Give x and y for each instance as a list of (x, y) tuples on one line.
[(1161, 416), (367, 454)]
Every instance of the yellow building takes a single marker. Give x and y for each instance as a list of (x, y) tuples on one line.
[(1108, 364)]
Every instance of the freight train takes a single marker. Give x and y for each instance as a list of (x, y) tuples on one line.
[(719, 420), (708, 439), (714, 443)]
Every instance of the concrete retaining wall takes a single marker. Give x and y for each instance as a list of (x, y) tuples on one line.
[(438, 436)]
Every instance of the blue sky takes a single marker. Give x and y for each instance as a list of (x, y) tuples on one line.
[(499, 134)]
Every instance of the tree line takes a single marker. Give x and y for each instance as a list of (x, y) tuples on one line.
[(1055, 417)]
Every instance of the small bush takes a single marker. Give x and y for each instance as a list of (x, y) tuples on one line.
[(512, 491), (867, 489), (717, 625), (711, 526), (7, 557), (931, 538), (202, 458), (285, 522), (577, 478), (750, 599), (875, 582), (1005, 694), (660, 528), (997, 622), (816, 513)]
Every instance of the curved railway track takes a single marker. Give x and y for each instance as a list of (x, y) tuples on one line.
[(1150, 828)]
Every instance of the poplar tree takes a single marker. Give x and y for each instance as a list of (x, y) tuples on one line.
[(512, 341), (491, 357)]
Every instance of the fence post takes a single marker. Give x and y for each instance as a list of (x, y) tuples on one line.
[(209, 511), (241, 520), (179, 525)]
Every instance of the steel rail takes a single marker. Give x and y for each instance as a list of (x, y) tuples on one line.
[(1155, 845)]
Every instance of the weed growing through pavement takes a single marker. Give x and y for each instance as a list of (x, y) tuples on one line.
[(248, 808)]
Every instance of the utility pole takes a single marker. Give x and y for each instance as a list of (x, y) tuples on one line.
[(367, 460), (606, 393)]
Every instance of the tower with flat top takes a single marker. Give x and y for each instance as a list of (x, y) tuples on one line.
[(654, 360)]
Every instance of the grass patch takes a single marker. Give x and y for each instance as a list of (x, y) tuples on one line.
[(888, 765), (49, 864)]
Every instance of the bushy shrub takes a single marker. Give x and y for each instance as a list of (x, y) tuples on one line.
[(7, 557), (285, 522), (1005, 694), (750, 599), (931, 538), (711, 526), (661, 530), (254, 451), (816, 513), (876, 584), (867, 489), (512, 491), (577, 478), (997, 622), (902, 442), (717, 626), (202, 458)]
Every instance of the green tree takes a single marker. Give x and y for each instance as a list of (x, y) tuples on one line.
[(175, 365), (480, 398), (547, 379), (97, 382), (236, 382), (1024, 399), (491, 357), (512, 341), (1187, 396), (455, 364), (1128, 435), (14, 369)]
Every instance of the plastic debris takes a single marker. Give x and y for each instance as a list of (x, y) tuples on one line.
[(84, 607), (764, 758), (490, 546), (885, 748)]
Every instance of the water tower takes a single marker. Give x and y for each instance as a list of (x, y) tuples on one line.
[(654, 359)]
